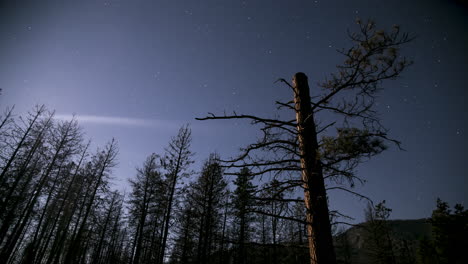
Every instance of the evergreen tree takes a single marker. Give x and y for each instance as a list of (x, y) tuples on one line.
[(378, 241), (208, 194), (147, 208), (176, 162), (450, 233), (243, 201), (185, 233), (426, 252)]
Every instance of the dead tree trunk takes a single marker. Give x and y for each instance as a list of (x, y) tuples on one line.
[(178, 155), (315, 197)]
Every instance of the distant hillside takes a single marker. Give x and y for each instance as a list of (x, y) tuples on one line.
[(405, 234), (410, 231)]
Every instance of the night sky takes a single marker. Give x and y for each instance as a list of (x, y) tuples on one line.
[(138, 70)]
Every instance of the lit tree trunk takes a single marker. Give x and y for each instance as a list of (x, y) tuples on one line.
[(315, 198)]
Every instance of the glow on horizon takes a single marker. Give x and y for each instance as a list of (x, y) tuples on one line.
[(110, 120)]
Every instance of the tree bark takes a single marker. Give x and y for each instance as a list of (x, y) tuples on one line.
[(317, 216)]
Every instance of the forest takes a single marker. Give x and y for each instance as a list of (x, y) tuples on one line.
[(58, 206), (58, 203)]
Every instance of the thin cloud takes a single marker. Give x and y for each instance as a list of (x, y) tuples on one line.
[(110, 120)]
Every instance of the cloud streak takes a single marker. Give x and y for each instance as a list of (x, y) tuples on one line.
[(110, 120)]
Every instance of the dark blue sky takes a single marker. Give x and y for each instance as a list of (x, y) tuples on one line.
[(138, 70)]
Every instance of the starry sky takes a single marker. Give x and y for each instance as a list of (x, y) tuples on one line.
[(137, 70)]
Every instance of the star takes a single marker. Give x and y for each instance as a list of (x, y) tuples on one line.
[(428, 123)]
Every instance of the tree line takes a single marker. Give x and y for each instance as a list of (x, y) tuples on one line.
[(58, 206), (58, 203)]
